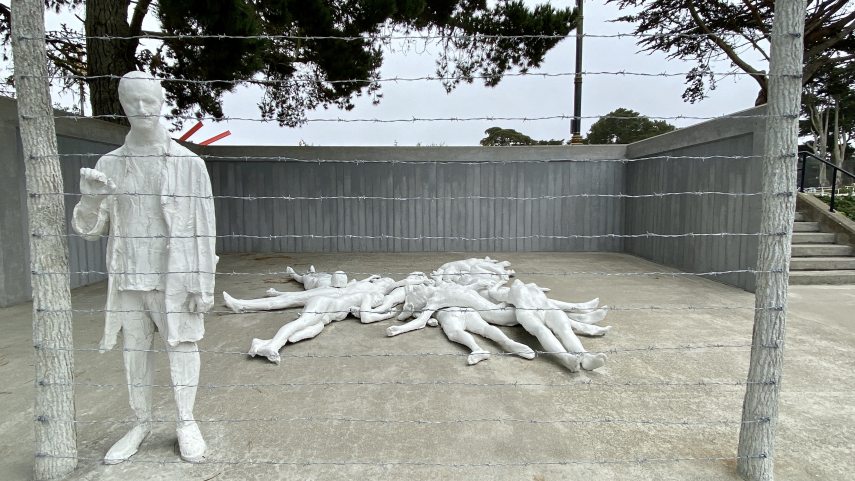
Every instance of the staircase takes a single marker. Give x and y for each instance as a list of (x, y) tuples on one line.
[(817, 258)]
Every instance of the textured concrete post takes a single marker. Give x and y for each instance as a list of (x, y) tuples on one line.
[(56, 437), (760, 408)]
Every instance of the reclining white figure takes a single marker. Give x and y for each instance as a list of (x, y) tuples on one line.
[(318, 312), (490, 300), (458, 322), (313, 280), (277, 300), (551, 326), (531, 308), (469, 271)]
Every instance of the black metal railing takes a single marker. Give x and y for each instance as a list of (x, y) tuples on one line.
[(803, 157)]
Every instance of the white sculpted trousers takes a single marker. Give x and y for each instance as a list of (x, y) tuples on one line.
[(145, 312)]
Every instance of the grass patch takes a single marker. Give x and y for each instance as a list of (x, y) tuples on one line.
[(844, 205)]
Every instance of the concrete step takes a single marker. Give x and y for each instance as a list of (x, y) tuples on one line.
[(806, 227), (822, 263), (822, 277), (800, 217), (814, 238), (820, 250)]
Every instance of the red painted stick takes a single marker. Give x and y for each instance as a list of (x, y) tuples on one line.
[(190, 132), (215, 138)]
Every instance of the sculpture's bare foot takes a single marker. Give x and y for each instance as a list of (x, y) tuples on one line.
[(522, 351), (477, 356), (593, 361), (126, 447), (571, 361), (290, 272), (272, 292), (260, 347), (231, 304), (432, 322), (190, 442), (393, 331)]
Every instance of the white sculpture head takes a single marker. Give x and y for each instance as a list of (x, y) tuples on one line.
[(338, 279), (142, 98)]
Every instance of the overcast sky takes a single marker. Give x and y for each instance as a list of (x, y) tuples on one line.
[(530, 96)]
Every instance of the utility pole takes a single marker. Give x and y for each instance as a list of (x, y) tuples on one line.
[(576, 123)]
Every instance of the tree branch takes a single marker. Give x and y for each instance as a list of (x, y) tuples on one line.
[(726, 48), (757, 19), (140, 11)]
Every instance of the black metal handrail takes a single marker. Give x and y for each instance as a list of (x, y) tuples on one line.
[(803, 156)]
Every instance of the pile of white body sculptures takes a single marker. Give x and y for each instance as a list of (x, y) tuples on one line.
[(463, 297)]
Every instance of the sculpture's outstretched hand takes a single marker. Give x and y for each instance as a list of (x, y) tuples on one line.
[(95, 183)]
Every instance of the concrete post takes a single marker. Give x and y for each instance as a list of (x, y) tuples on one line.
[(56, 435), (760, 408)]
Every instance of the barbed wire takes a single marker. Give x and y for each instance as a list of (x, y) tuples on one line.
[(391, 311), (252, 198), (424, 78), (429, 238), (436, 382), (320, 419), (383, 37), (490, 118), (566, 462), (617, 350), (279, 158), (493, 274)]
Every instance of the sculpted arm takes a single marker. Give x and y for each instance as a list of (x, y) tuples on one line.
[(91, 217)]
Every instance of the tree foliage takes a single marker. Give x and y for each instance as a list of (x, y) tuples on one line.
[(828, 105), (625, 126), (706, 30), (497, 136), (296, 74)]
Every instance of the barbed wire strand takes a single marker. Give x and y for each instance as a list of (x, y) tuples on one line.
[(384, 37), (459, 273), (252, 198), (616, 350), (320, 419), (414, 119), (276, 158), (424, 78), (391, 311), (439, 382), (567, 462), (428, 238)]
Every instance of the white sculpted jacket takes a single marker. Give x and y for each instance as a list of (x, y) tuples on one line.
[(187, 207)]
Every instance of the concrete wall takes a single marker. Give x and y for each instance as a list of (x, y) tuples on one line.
[(415, 174), (699, 214), (463, 171), (73, 136)]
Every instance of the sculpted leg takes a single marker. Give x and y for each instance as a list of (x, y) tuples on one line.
[(307, 333), (560, 325), (270, 348), (454, 325), (284, 300), (184, 368), (550, 343), (576, 306), (479, 326), (137, 334)]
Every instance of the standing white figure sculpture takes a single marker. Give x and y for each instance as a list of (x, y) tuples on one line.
[(153, 197)]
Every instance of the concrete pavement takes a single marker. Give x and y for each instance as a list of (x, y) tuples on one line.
[(306, 419)]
